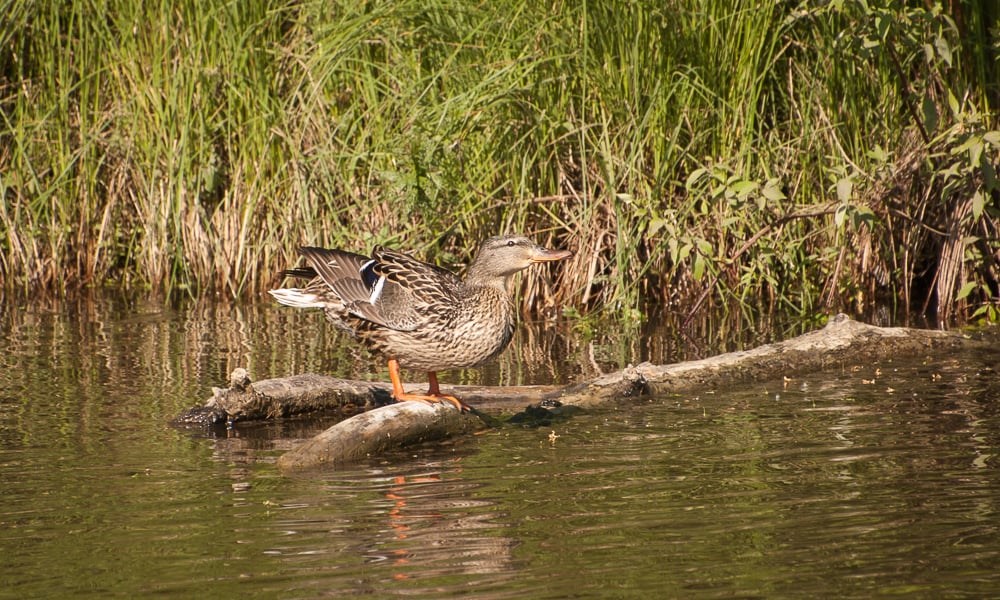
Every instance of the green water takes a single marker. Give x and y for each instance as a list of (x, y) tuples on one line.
[(875, 481)]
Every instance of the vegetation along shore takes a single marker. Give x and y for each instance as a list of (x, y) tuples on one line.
[(800, 156)]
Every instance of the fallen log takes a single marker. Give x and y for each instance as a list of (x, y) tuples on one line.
[(384, 425), (843, 341), (375, 432), (298, 395)]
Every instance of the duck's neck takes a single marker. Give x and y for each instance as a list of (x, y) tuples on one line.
[(493, 293), (476, 280)]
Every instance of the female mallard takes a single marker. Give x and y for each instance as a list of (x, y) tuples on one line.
[(419, 315)]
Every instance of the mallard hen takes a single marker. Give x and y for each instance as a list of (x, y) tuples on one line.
[(418, 315)]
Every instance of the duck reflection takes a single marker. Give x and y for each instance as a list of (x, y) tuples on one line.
[(413, 523), (436, 524)]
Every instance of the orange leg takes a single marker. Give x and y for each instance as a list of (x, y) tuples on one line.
[(433, 395), (432, 384), (435, 392)]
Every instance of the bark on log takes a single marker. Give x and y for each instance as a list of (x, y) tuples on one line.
[(374, 432), (298, 395), (842, 342)]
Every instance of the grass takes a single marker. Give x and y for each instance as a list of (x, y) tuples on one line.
[(805, 157)]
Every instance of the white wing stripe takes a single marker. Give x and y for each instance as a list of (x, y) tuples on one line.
[(377, 290)]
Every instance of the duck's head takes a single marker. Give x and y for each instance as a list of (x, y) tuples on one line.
[(501, 256)]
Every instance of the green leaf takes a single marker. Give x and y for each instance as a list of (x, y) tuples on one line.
[(976, 152), (685, 251), (989, 176), (878, 154), (928, 52), (930, 114), (844, 188), (943, 49), (967, 145), (966, 290), (949, 172), (699, 267), (953, 104), (978, 203), (772, 190), (743, 188), (970, 239), (654, 226), (840, 215), (693, 178), (863, 214)]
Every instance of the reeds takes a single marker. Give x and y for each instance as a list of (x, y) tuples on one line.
[(758, 154)]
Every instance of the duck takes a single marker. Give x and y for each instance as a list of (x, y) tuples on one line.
[(417, 315)]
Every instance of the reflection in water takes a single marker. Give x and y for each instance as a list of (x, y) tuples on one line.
[(421, 527), (122, 341), (434, 527), (869, 480)]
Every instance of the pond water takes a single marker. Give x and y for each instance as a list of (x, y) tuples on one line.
[(874, 480)]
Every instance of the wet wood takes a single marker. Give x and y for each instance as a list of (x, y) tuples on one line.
[(372, 433), (843, 342), (298, 395), (385, 425)]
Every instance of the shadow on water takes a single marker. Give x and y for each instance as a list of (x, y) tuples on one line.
[(868, 480)]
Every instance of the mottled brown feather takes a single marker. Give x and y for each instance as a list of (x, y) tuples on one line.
[(425, 317)]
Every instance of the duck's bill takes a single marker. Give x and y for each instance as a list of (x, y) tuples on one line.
[(546, 255)]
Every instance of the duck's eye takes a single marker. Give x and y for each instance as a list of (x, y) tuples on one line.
[(511, 243)]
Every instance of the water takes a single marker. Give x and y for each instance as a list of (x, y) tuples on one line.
[(879, 481)]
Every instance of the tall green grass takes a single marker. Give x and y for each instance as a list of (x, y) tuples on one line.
[(800, 157)]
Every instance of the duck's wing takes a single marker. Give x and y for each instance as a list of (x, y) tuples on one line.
[(425, 283), (406, 292), (389, 289), (339, 270), (334, 280)]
